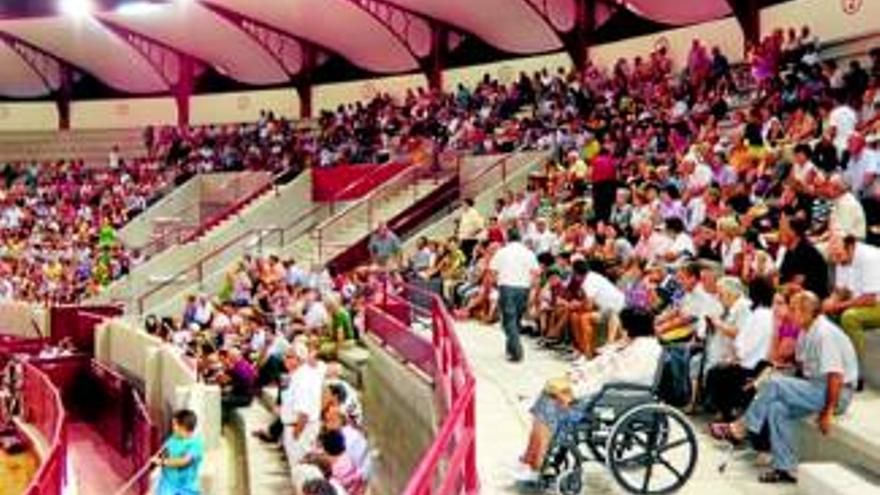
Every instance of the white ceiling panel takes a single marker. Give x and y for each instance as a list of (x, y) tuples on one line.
[(195, 30), (510, 25), (339, 25), (85, 43), (17, 78)]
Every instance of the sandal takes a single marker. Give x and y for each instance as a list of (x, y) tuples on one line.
[(776, 476), (724, 432)]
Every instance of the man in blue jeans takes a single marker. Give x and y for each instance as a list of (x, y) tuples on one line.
[(515, 266), (830, 372)]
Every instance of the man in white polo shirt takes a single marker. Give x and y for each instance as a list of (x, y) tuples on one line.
[(856, 297), (514, 266)]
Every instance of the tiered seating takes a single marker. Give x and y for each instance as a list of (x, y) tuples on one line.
[(92, 146)]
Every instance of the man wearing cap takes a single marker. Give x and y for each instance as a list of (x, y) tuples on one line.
[(514, 266)]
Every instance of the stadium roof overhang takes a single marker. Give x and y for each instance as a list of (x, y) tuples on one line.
[(147, 47)]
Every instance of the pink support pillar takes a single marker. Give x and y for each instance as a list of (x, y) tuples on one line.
[(62, 99), (437, 61), (303, 82), (183, 90)]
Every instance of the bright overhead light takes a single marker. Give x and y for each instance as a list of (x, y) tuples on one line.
[(138, 8), (77, 8)]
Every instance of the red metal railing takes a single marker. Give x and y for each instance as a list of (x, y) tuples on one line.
[(366, 212), (144, 440), (43, 409), (263, 237), (449, 466), (192, 221)]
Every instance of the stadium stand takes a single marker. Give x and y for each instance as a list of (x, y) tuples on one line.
[(707, 219)]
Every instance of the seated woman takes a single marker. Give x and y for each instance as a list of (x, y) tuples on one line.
[(752, 340), (634, 360)]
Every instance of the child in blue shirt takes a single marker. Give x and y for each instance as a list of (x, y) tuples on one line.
[(183, 457)]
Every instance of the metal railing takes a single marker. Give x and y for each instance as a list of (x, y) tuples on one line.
[(259, 238), (366, 213), (192, 221), (43, 409), (449, 466)]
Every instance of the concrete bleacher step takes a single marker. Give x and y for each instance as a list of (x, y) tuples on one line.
[(854, 439), (872, 359), (827, 478), (267, 469)]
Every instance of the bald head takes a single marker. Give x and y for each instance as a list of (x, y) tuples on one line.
[(805, 307)]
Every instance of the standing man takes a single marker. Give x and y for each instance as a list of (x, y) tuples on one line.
[(470, 226), (604, 179), (830, 371), (300, 410), (384, 245), (863, 166), (514, 267)]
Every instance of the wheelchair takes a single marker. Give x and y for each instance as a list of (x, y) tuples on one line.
[(647, 446)]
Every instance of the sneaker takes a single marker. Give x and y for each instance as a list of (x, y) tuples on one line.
[(527, 475)]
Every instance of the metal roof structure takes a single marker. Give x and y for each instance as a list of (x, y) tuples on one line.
[(178, 47)]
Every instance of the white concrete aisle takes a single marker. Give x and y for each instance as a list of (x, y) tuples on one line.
[(506, 390)]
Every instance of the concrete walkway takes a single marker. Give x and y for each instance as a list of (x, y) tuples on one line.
[(505, 392)]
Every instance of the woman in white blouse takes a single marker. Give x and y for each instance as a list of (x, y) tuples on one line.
[(727, 382), (634, 360)]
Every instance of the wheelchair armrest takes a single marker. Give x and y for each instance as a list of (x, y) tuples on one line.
[(625, 387), (619, 390)]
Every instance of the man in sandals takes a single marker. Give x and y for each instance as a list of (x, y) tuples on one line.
[(829, 368)]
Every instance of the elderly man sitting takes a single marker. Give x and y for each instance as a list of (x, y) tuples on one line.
[(634, 360), (830, 371)]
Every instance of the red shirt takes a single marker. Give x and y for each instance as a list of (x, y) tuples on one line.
[(603, 169)]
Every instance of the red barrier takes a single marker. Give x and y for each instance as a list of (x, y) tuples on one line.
[(330, 184), (450, 465), (144, 439), (78, 323), (43, 409)]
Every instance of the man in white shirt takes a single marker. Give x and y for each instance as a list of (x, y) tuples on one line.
[(847, 216), (863, 165), (690, 314), (515, 267), (470, 226), (856, 298), (843, 120), (300, 409), (830, 371), (541, 239)]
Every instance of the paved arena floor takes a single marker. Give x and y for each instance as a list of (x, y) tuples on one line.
[(504, 393)]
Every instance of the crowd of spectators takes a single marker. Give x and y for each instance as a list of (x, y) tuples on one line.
[(709, 205), (277, 323), (734, 214)]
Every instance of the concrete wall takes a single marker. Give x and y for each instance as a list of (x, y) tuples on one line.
[(28, 116), (169, 381), (402, 423), (137, 232), (242, 106), (18, 319)]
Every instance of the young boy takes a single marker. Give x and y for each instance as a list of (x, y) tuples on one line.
[(183, 457)]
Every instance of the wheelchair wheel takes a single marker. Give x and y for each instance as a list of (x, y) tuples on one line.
[(652, 450), (570, 482)]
